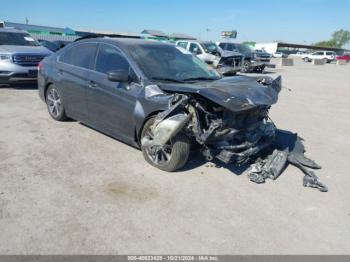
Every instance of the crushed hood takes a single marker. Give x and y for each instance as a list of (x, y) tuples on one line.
[(234, 93)]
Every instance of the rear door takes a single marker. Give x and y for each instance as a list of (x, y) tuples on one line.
[(111, 104), (73, 67)]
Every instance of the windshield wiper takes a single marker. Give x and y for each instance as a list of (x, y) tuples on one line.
[(167, 79), (199, 78)]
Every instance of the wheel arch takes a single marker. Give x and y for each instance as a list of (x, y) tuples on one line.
[(138, 132)]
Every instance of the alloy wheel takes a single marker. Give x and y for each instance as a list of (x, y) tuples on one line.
[(54, 102)]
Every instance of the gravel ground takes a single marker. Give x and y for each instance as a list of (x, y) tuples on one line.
[(68, 189)]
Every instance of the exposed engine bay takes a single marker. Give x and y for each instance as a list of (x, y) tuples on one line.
[(240, 133)]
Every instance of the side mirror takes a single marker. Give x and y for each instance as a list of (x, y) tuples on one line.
[(118, 76)]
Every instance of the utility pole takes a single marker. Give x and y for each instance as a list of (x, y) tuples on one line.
[(207, 30)]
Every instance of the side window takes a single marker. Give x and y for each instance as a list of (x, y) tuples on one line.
[(182, 44), (81, 55), (329, 53), (193, 47), (109, 58)]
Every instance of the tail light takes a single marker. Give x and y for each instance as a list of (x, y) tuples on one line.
[(40, 66)]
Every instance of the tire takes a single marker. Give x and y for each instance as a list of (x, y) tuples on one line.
[(245, 67), (179, 147), (54, 103), (259, 69)]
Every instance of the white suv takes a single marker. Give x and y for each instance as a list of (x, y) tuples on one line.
[(328, 56), (225, 62)]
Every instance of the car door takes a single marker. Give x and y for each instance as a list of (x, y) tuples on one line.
[(196, 50), (73, 67), (111, 104)]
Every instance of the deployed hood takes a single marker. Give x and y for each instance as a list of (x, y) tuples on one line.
[(19, 49), (235, 93)]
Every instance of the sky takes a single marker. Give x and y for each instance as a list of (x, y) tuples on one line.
[(297, 21)]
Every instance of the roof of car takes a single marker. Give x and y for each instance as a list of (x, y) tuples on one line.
[(11, 30), (125, 43)]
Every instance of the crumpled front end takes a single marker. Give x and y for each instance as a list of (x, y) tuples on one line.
[(232, 130)]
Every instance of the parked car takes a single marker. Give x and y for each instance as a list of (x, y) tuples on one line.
[(19, 56), (300, 53), (263, 53), (279, 55), (49, 45), (253, 61), (159, 98), (225, 62), (328, 56), (345, 56)]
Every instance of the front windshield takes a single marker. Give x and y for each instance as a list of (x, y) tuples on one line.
[(166, 62), (242, 48), (210, 47), (22, 39)]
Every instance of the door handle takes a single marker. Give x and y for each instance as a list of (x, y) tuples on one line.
[(92, 84)]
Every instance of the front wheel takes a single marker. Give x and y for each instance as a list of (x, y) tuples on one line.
[(54, 103), (172, 156), (246, 67)]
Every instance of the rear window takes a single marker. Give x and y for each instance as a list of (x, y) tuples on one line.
[(81, 55)]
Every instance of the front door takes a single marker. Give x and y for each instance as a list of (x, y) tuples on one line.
[(111, 104)]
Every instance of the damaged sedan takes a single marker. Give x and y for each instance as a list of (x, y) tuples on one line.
[(163, 100)]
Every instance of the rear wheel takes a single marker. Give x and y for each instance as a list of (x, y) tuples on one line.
[(172, 156), (54, 103)]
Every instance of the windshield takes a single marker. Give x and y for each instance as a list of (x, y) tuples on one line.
[(7, 38), (242, 48), (210, 47), (166, 62)]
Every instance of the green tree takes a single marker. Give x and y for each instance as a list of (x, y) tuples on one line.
[(339, 39)]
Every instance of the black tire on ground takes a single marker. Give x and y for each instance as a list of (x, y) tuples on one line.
[(259, 69), (53, 99), (180, 150), (262, 68)]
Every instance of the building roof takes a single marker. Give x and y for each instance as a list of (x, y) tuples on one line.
[(11, 30), (315, 47), (154, 32), (181, 36), (38, 27)]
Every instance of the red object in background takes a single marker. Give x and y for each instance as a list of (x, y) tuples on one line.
[(40, 66), (344, 57)]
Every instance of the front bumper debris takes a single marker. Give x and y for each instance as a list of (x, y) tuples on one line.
[(288, 149), (233, 126)]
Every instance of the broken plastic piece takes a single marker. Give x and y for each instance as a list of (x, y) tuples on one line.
[(290, 150)]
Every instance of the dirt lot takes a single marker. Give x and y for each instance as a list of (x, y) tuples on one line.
[(66, 188)]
